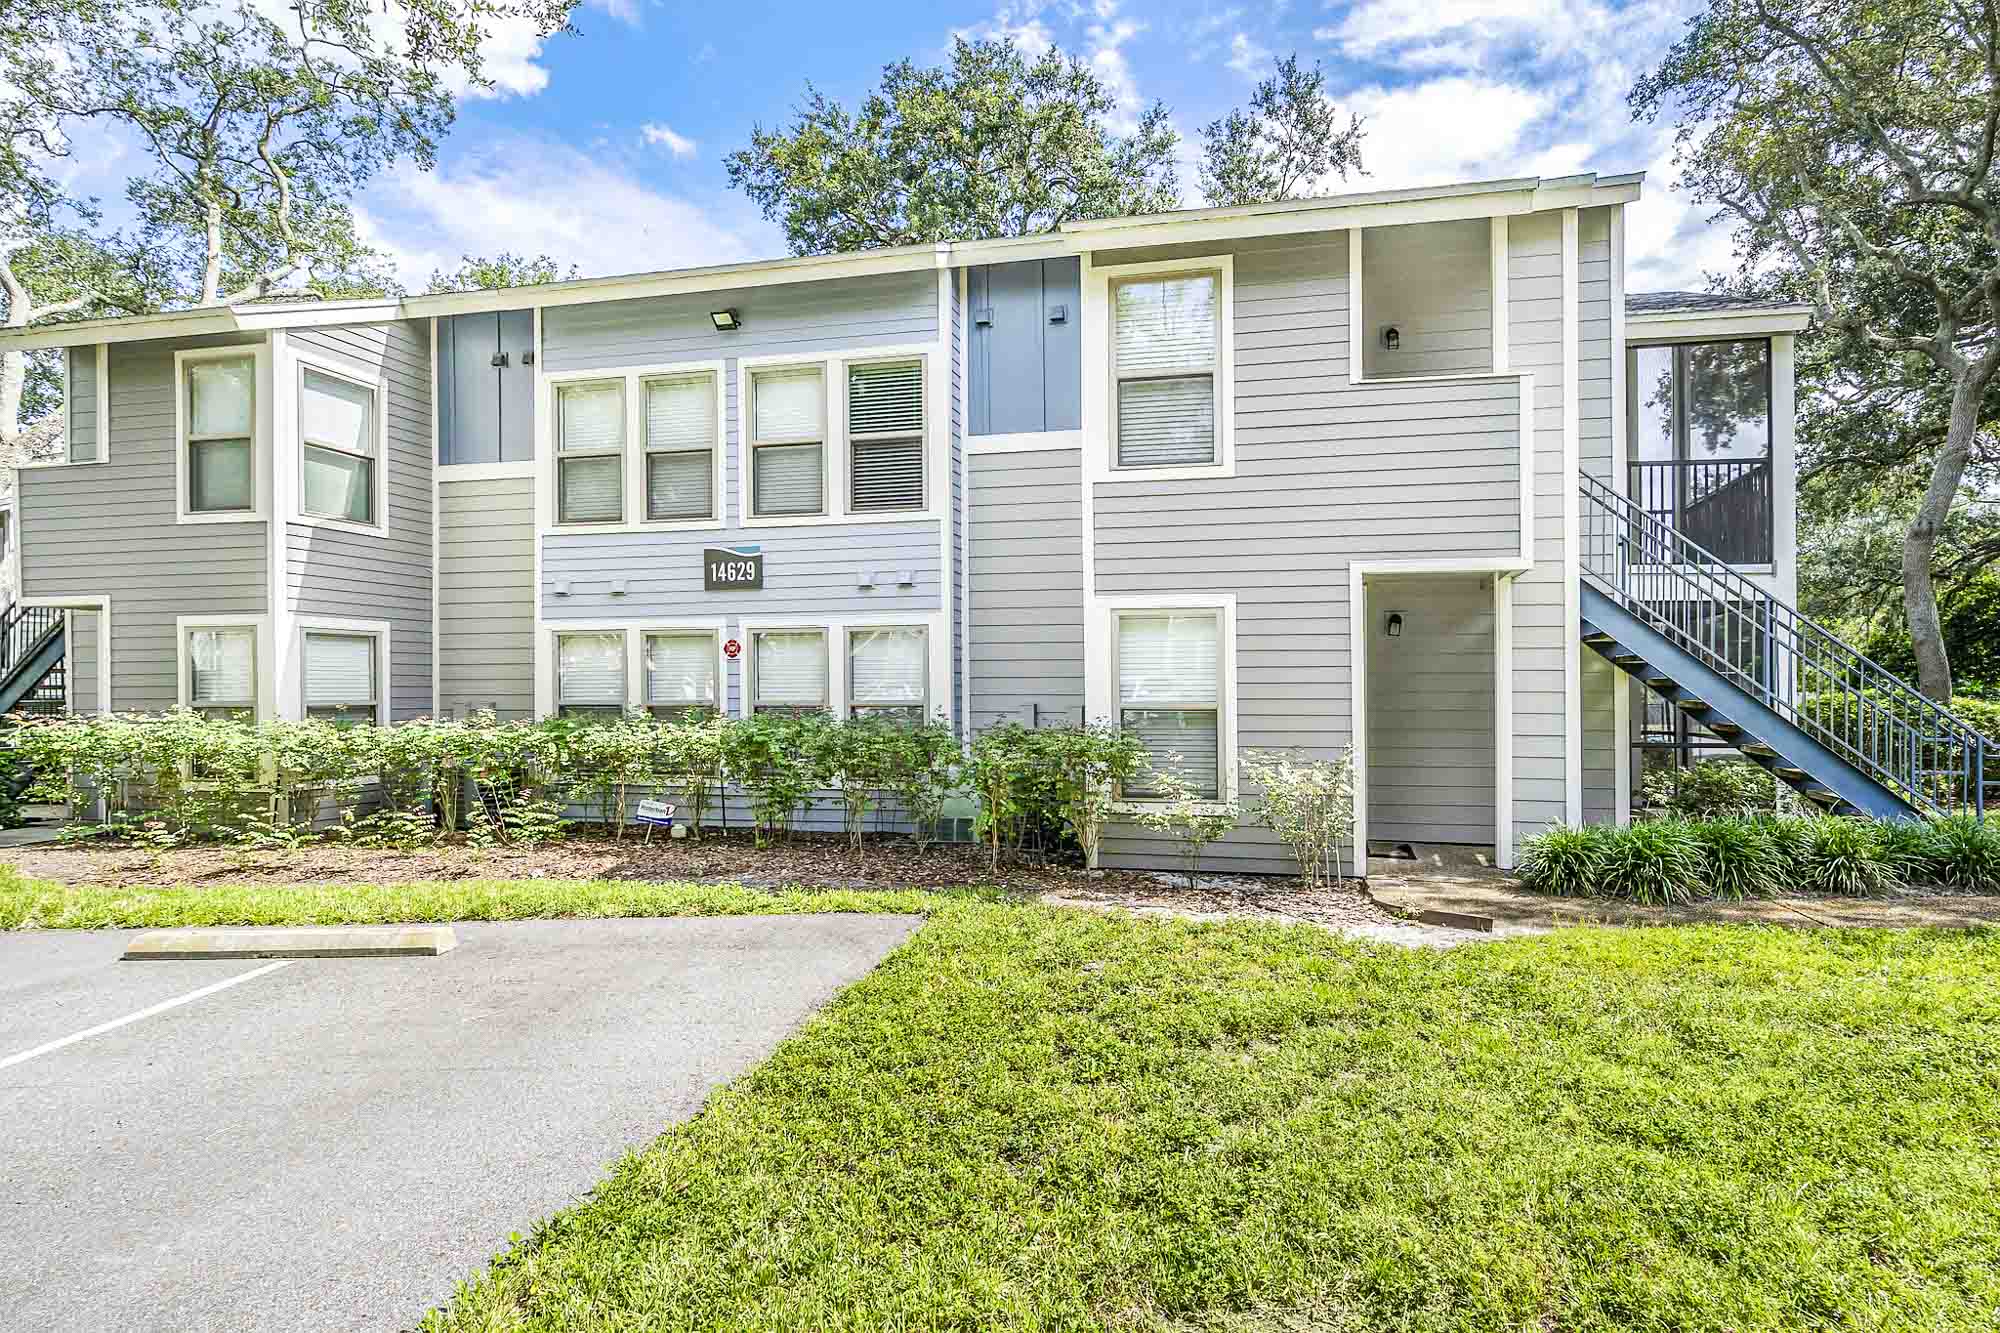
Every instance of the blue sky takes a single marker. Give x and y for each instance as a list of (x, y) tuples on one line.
[(605, 149)]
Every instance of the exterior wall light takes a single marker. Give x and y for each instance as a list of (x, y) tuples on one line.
[(1395, 625), (725, 321), (1392, 337)]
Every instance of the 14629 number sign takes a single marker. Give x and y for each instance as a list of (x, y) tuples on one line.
[(724, 568)]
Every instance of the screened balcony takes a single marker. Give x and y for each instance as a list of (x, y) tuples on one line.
[(1700, 415)]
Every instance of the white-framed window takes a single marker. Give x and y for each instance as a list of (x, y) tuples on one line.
[(789, 671), (1168, 667), (341, 676), (888, 673), (1166, 370), (788, 441), (590, 452), (885, 435), (590, 673), (218, 415), (682, 672), (681, 438), (220, 670), (341, 434)]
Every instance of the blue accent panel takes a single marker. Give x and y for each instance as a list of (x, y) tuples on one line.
[(1728, 704), (1062, 344), (1025, 354), (517, 386)]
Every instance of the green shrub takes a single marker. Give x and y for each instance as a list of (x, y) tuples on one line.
[(1567, 862), (1909, 848), (1658, 863), (1844, 856), (1712, 789), (1965, 853), (1741, 859)]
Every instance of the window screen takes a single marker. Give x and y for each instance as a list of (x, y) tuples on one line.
[(221, 410), (1169, 692), (788, 442), (789, 671), (680, 447), (885, 433), (1164, 346), (340, 677), (590, 675), (680, 673), (590, 453)]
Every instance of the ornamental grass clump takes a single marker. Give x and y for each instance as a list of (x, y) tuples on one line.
[(1909, 848), (1843, 856), (1741, 859), (1567, 862), (1965, 853), (1656, 864)]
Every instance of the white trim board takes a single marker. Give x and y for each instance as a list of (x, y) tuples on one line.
[(101, 604), (1098, 398), (384, 659), (267, 679)]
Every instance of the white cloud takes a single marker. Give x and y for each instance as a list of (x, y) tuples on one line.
[(1454, 128), (511, 50), (608, 222), (625, 11), (1106, 55), (1246, 57), (663, 136), (1391, 30)]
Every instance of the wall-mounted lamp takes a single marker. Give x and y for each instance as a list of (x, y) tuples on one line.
[(1392, 337), (725, 321), (1395, 625)]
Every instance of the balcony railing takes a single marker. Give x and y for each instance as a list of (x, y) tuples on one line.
[(1720, 506)]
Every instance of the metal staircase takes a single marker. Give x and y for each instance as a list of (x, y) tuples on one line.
[(32, 660), (1786, 692)]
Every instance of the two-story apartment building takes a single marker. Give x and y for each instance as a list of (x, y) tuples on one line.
[(1329, 473)]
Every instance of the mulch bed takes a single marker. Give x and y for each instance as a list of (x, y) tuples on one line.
[(814, 861)]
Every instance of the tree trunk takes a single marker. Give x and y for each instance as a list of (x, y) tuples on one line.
[(211, 275), (13, 381), (1920, 541)]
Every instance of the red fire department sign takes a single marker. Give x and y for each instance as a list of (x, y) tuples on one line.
[(732, 650)]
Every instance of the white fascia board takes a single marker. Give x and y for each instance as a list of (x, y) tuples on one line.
[(201, 321), (1686, 325)]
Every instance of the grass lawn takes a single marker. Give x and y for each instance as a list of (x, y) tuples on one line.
[(1032, 1118)]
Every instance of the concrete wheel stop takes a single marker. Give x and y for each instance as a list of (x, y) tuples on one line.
[(293, 942)]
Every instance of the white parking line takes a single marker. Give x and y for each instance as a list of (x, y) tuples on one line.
[(148, 1012)]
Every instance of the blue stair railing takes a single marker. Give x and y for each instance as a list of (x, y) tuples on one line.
[(1869, 717), (24, 631)]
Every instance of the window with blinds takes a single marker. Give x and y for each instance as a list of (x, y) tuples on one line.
[(590, 452), (1169, 695), (885, 436), (221, 412), (788, 671), (680, 447), (222, 672), (887, 673), (590, 675), (788, 442), (1166, 344), (337, 430), (681, 674), (340, 678)]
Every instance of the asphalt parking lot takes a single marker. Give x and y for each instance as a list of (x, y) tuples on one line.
[(334, 1143)]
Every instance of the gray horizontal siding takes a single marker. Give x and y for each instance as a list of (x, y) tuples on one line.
[(352, 575), (1026, 577), (1328, 472), (81, 649), (81, 403), (802, 318), (486, 596), (1430, 712), (110, 530)]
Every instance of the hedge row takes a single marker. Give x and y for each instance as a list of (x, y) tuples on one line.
[(1673, 860)]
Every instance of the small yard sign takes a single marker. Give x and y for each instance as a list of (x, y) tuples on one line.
[(724, 568), (657, 812)]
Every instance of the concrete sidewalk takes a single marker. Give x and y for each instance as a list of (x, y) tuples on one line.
[(1448, 886)]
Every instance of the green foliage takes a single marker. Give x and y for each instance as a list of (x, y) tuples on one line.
[(1676, 860), (1567, 862), (1712, 789), (1308, 803), (993, 144), (1084, 768), (1288, 144), (1740, 859), (1655, 864), (506, 269), (1185, 815)]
